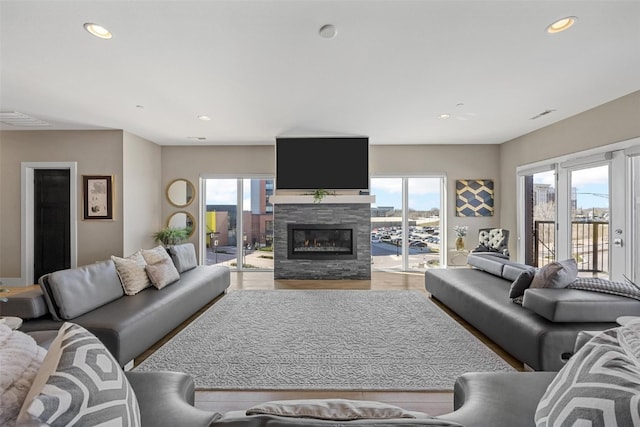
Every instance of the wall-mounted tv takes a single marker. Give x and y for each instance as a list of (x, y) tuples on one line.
[(332, 163)]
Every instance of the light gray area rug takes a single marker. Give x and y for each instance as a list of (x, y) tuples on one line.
[(324, 340)]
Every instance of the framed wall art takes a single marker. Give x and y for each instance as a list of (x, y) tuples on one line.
[(474, 197), (98, 196)]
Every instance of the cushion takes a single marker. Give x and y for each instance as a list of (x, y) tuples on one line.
[(521, 283), (20, 360), (71, 293), (184, 257), (490, 264), (132, 273), (599, 385), (512, 270), (155, 255), (573, 305), (162, 273), (330, 409), (80, 383), (595, 284), (557, 274)]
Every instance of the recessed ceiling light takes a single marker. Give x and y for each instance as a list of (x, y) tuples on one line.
[(98, 30), (562, 24), (444, 116), (204, 118), (328, 31)]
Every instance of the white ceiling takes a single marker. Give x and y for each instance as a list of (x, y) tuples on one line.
[(260, 69)]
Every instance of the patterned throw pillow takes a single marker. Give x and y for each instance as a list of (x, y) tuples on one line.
[(132, 273), (162, 273), (595, 284), (599, 385), (80, 384), (155, 255), (557, 274)]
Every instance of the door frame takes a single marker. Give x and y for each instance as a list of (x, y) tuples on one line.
[(27, 208)]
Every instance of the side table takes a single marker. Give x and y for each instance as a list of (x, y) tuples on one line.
[(11, 321), (458, 257)]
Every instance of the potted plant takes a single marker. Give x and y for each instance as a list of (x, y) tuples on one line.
[(172, 236), (320, 194), (461, 232)]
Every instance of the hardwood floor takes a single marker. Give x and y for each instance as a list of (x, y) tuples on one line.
[(434, 403)]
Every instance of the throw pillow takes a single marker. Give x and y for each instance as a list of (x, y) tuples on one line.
[(184, 257), (595, 284), (155, 255), (20, 359), (80, 383), (599, 385), (557, 274), (330, 409), (521, 284), (132, 273), (162, 273)]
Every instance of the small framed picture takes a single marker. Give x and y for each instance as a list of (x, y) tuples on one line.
[(98, 196)]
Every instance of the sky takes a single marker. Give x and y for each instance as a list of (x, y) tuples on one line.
[(424, 193), (592, 185)]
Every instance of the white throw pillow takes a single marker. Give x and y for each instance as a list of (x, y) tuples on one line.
[(132, 274), (20, 360), (155, 255), (162, 273), (330, 409)]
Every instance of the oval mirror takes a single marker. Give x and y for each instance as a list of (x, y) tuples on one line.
[(182, 219), (180, 192)]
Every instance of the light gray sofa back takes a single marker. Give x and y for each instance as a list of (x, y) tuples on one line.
[(71, 293)]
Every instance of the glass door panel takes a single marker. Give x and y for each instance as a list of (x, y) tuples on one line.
[(544, 218), (589, 215), (386, 224), (221, 210), (257, 224), (425, 245)]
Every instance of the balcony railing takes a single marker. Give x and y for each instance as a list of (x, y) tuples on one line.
[(589, 244)]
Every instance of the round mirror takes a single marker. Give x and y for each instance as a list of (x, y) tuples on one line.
[(182, 219), (180, 192)]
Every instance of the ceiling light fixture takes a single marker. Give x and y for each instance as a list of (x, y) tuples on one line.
[(328, 31), (444, 116), (562, 24), (204, 118), (98, 31)]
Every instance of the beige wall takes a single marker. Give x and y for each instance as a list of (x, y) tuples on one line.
[(453, 161), (456, 162), (192, 162), (615, 121), (142, 193), (96, 153)]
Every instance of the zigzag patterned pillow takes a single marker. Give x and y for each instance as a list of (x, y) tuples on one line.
[(596, 284), (599, 385), (80, 384)]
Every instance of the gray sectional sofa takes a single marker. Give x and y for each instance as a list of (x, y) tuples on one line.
[(93, 297), (542, 331)]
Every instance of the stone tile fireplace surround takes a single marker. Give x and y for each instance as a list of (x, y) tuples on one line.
[(355, 215)]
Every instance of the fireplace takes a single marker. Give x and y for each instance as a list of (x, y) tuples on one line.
[(321, 241)]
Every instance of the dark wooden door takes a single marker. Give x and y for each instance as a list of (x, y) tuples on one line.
[(52, 223)]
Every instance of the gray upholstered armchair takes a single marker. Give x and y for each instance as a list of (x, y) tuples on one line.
[(494, 241)]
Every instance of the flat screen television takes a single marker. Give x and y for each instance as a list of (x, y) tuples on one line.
[(332, 163)]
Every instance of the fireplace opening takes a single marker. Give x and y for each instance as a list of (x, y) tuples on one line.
[(321, 241)]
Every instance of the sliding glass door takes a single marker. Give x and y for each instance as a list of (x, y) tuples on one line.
[(239, 222), (583, 207), (405, 223)]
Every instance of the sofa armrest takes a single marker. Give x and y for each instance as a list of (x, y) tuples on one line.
[(166, 399), (498, 399)]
